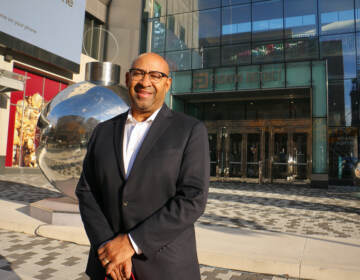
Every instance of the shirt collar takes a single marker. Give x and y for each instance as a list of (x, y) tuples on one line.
[(150, 119)]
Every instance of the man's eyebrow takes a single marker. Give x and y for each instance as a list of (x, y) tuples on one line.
[(149, 71)]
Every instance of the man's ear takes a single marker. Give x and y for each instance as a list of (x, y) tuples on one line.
[(168, 84)]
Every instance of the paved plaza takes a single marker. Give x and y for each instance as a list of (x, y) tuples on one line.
[(298, 210), (34, 257), (332, 212)]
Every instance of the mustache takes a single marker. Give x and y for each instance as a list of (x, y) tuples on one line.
[(139, 87)]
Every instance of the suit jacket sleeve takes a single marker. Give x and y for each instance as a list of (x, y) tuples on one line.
[(182, 210), (96, 225)]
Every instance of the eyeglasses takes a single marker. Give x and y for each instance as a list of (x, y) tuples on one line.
[(139, 74)]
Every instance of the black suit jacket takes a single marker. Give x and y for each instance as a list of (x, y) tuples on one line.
[(164, 195)]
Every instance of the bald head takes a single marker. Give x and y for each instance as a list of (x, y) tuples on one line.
[(157, 62)]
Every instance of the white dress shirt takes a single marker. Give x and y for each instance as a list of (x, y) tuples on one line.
[(134, 135)]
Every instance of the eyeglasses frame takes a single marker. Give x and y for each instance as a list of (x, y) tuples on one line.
[(144, 73)]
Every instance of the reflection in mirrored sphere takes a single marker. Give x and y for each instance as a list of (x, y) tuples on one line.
[(65, 126)]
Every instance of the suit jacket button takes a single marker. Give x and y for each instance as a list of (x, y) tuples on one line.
[(125, 203)]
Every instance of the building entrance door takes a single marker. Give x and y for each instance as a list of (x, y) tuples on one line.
[(290, 156), (260, 151)]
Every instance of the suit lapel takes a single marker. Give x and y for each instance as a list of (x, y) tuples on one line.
[(118, 142), (160, 124)]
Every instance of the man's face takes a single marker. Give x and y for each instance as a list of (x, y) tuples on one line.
[(147, 95)]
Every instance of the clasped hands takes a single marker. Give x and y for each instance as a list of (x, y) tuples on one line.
[(115, 257)]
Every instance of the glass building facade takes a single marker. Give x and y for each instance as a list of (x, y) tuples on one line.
[(276, 82)]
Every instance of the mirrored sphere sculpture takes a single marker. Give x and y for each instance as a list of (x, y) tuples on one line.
[(64, 128)]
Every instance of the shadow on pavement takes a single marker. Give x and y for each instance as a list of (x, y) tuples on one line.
[(280, 202), (24, 192), (229, 222), (340, 192), (6, 273)]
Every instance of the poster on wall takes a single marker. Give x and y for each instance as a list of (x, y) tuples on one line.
[(55, 26), (25, 107), (27, 112)]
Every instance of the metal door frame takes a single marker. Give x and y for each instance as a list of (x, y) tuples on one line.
[(223, 130)]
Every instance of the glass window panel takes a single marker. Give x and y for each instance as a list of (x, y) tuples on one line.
[(205, 4), (267, 52), (355, 105), (248, 77), (234, 2), (336, 16), (340, 113), (300, 108), (206, 58), (156, 34), (180, 60), (206, 28), (225, 79), (274, 109), (194, 110), (93, 37), (203, 80), (298, 74), (339, 50), (178, 6), (236, 24), (159, 8), (307, 48), (178, 32), (87, 37), (273, 76), (155, 8), (178, 105), (300, 18), (357, 14), (96, 42), (267, 20), (319, 89), (236, 54), (181, 82), (319, 146), (343, 152), (358, 54)]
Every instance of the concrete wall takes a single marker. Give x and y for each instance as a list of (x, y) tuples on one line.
[(97, 8), (4, 114), (124, 23)]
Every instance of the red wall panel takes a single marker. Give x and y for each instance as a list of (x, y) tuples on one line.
[(45, 87), (52, 88)]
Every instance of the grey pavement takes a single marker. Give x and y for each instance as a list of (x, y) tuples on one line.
[(238, 212), (24, 256), (294, 209)]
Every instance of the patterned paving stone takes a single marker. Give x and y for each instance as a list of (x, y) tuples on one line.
[(58, 260), (332, 212)]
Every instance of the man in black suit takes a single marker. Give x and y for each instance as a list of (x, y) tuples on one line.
[(144, 184)]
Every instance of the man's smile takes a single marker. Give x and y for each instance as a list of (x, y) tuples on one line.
[(144, 93)]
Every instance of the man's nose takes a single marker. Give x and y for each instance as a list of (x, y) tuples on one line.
[(145, 81)]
